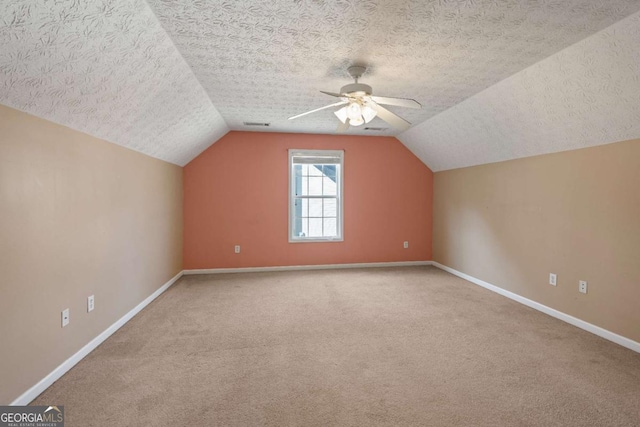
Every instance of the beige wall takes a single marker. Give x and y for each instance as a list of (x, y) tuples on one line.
[(78, 216), (576, 214)]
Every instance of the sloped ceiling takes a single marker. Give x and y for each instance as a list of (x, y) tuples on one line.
[(170, 77), (585, 95), (107, 68)]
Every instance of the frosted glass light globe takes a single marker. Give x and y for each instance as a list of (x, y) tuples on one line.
[(354, 112), (356, 122), (368, 113)]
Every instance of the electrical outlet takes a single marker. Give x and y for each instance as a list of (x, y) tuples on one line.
[(406, 245), (65, 317), (582, 286), (237, 249), (90, 303), (553, 279)]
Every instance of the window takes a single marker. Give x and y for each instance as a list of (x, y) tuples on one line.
[(315, 195)]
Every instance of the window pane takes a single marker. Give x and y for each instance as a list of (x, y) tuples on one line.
[(330, 207), (297, 213), (297, 226), (315, 170), (329, 188), (315, 227), (315, 186), (315, 207), (330, 227), (329, 171), (297, 185), (304, 187)]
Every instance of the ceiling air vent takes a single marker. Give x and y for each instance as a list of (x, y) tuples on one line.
[(375, 129), (256, 124)]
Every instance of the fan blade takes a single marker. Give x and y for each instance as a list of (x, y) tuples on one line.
[(343, 127), (337, 95), (394, 120), (318, 109), (400, 102)]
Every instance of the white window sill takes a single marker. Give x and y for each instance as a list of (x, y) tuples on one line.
[(316, 240)]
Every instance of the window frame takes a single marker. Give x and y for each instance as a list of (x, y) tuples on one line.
[(340, 196)]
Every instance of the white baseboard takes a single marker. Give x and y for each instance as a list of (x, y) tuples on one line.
[(28, 396), (58, 372), (305, 267), (608, 335)]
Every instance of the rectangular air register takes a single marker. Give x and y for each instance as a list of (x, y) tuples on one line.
[(256, 124)]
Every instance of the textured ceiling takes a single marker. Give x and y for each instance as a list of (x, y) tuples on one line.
[(267, 60), (169, 77), (107, 68), (585, 95)]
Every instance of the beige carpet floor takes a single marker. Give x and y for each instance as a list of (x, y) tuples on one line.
[(397, 346)]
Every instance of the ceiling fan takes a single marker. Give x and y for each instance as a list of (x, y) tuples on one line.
[(360, 106)]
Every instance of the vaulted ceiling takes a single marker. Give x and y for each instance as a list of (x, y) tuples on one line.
[(497, 79)]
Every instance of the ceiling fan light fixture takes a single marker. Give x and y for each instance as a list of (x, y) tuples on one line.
[(341, 114), (368, 113), (358, 105), (356, 122), (354, 111)]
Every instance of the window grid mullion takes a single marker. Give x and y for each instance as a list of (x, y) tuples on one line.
[(321, 197)]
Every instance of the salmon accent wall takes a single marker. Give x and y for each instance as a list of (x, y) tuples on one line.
[(236, 193)]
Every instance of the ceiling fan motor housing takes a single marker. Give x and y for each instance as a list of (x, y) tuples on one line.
[(356, 89)]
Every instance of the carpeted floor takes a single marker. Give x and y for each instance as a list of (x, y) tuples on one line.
[(397, 346)]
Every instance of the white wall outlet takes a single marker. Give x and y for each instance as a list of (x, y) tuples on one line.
[(553, 279), (406, 245), (65, 317), (582, 286), (237, 249), (90, 303)]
